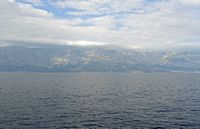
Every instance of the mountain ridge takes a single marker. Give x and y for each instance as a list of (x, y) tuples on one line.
[(96, 59)]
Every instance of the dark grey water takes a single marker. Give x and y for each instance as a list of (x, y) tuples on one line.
[(92, 100)]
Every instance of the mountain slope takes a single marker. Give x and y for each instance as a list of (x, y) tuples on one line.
[(95, 59)]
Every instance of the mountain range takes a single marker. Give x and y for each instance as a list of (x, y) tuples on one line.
[(96, 59)]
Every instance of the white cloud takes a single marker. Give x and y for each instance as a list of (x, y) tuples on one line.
[(29, 10), (92, 7), (190, 2), (35, 2), (126, 23)]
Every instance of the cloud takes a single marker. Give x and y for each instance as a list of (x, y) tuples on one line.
[(33, 2), (190, 2), (98, 7), (131, 23)]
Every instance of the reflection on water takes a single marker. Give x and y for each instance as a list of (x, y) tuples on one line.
[(97, 100)]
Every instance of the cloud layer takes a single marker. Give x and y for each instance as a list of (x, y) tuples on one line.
[(130, 23)]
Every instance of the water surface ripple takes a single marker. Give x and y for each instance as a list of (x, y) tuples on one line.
[(99, 100)]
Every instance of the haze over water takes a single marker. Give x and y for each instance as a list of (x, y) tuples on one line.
[(98, 100)]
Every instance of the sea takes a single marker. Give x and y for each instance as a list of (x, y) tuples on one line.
[(100, 100)]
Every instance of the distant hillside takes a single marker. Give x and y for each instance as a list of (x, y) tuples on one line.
[(96, 59)]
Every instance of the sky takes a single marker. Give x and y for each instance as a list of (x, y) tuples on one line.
[(152, 24)]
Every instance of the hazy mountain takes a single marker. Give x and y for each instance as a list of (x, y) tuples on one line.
[(96, 59)]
